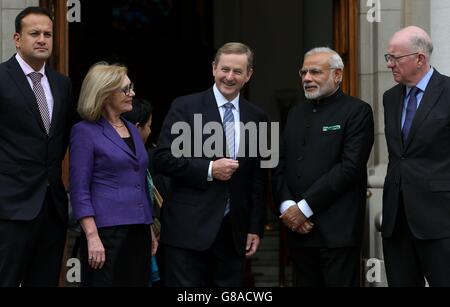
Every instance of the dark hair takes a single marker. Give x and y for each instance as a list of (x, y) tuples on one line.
[(142, 109), (29, 11)]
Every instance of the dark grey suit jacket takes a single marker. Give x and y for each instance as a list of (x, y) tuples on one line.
[(420, 168), (194, 209)]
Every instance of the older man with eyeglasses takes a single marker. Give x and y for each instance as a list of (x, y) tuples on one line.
[(416, 200)]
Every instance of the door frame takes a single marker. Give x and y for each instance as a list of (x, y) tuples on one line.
[(346, 41), (60, 56)]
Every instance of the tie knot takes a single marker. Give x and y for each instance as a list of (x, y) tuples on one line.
[(35, 77), (229, 106), (414, 91)]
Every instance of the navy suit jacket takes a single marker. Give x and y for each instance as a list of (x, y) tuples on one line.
[(193, 212), (30, 160), (108, 179)]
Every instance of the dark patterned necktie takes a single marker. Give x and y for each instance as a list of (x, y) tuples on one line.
[(411, 109), (41, 99)]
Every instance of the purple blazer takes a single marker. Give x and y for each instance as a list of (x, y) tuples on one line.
[(108, 180)]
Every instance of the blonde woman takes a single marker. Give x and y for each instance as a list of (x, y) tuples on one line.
[(108, 164)]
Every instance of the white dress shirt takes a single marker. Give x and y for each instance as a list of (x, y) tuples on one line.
[(221, 101)]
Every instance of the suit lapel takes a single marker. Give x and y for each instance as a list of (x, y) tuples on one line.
[(429, 99), (114, 137), (398, 109), (244, 139), (21, 81), (55, 88), (211, 114)]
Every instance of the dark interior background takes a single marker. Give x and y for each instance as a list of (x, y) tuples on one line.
[(166, 44)]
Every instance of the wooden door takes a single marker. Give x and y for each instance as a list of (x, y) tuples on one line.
[(346, 41), (60, 56)]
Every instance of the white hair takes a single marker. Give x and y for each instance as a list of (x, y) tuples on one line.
[(335, 59), (423, 44)]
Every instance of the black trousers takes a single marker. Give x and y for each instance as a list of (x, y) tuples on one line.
[(219, 266), (326, 267), (128, 258), (408, 260), (31, 251)]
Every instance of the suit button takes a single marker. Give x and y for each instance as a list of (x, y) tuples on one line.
[(403, 158), (141, 206), (314, 110), (138, 187), (300, 158)]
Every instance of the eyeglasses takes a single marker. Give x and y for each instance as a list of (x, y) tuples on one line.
[(390, 57), (314, 72), (128, 89)]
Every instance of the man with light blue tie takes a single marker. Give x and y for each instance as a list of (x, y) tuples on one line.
[(214, 216), (416, 198)]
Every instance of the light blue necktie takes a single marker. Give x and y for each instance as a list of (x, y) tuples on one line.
[(228, 123)]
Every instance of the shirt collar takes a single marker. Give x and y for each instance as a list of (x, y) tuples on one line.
[(27, 68), (221, 101), (327, 100), (422, 85)]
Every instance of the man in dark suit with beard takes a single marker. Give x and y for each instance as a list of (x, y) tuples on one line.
[(214, 215), (321, 180), (416, 198), (35, 112)]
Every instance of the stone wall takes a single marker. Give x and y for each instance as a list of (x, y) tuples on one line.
[(8, 12)]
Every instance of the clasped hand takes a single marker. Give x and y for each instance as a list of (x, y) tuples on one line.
[(223, 169), (296, 221)]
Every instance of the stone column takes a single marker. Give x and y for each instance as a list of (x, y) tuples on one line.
[(440, 29), (8, 12), (375, 79), (374, 76)]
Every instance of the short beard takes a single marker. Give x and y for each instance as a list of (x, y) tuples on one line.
[(327, 89)]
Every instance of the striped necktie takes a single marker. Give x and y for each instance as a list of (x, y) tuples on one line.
[(228, 123)]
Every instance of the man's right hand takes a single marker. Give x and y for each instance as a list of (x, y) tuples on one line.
[(224, 168)]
